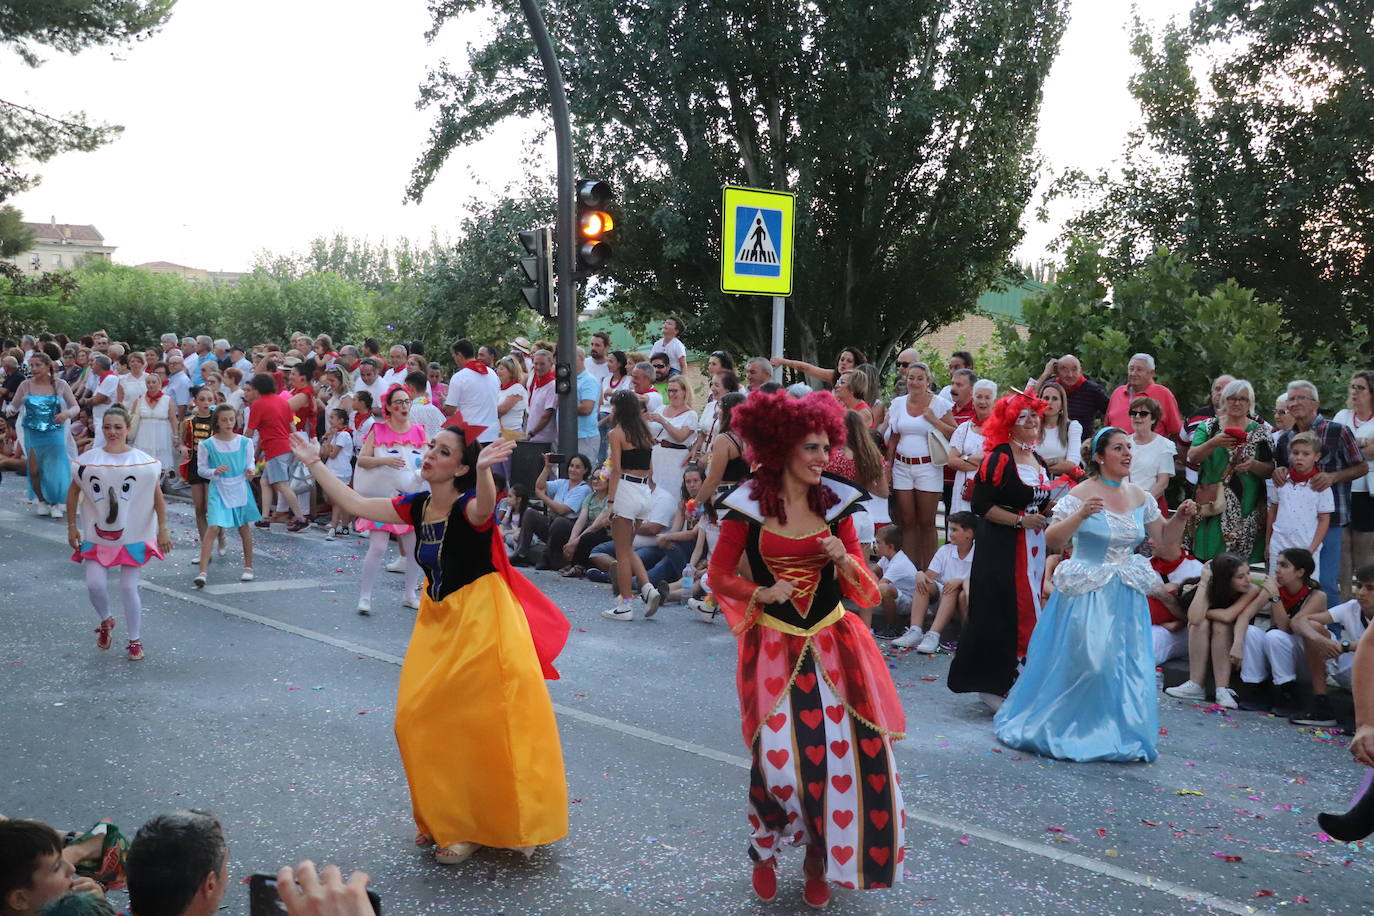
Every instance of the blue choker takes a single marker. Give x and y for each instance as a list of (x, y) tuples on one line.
[(1110, 483)]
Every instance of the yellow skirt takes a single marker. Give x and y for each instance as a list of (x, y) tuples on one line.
[(475, 724)]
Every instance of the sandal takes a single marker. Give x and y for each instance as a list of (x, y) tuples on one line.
[(103, 639), (423, 840), (456, 854), (135, 650)]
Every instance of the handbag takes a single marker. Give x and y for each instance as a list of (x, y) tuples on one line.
[(1211, 499), (938, 446)]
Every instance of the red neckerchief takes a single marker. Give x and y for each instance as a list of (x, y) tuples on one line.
[(360, 417), (1165, 567), (476, 365), (510, 384), (1076, 385), (304, 389), (646, 390), (154, 396), (1294, 601), (539, 381), (1295, 478), (102, 375)]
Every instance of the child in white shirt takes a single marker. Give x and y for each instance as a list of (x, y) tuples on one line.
[(1298, 515), (947, 579), (897, 582), (337, 451)]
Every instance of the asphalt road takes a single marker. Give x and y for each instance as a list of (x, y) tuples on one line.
[(271, 706)]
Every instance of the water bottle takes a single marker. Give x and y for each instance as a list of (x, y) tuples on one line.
[(687, 580)]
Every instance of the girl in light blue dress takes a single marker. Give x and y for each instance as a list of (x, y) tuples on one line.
[(226, 461), (1088, 689)]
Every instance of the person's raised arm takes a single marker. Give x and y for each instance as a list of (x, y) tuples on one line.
[(816, 372), (715, 469), (1172, 530), (483, 504), (377, 509)]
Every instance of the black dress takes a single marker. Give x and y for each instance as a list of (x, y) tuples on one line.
[(1005, 581)]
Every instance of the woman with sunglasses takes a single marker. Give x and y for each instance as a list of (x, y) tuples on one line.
[(1152, 455)]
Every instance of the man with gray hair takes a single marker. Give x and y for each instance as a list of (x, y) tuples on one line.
[(1339, 463), (221, 350), (1140, 382), (199, 353), (169, 343), (105, 394)]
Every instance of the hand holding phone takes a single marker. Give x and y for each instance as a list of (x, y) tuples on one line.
[(302, 892)]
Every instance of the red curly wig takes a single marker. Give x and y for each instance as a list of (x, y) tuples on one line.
[(997, 427), (772, 425)]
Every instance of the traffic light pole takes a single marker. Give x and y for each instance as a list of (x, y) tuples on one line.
[(565, 366)]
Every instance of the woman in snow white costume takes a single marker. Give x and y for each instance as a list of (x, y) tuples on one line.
[(819, 709), (474, 722)]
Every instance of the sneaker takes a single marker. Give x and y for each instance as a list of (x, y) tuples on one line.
[(912, 637), (1226, 698), (705, 609), (1319, 714), (991, 700), (365, 606), (516, 559), (247, 575), (930, 643), (331, 534), (199, 580), (1187, 691), (262, 523), (43, 510), (411, 601), (652, 598), (297, 525), (623, 610), (103, 640), (1254, 697), (56, 511), (1286, 700), (135, 650), (221, 548), (397, 565)]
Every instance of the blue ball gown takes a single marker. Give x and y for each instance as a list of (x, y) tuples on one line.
[(1088, 688)]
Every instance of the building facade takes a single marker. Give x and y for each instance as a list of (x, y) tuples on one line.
[(61, 246)]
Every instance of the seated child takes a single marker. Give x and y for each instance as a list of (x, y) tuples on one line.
[(947, 579), (33, 870), (1168, 619), (896, 585), (1329, 640)]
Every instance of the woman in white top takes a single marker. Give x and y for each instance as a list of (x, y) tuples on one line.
[(1152, 455), (335, 392), (674, 429), (918, 482), (1061, 439), (513, 401), (618, 380), (721, 384), (966, 445), (1357, 547), (152, 424), (133, 386)]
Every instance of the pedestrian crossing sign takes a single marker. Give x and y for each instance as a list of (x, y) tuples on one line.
[(756, 242)]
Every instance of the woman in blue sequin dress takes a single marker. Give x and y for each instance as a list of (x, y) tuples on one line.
[(47, 404), (1088, 689)]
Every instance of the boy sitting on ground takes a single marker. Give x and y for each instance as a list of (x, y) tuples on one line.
[(946, 579), (896, 585), (34, 872), (1329, 641)]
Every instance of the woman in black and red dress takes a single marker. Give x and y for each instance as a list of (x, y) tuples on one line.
[(819, 709), (1011, 497)]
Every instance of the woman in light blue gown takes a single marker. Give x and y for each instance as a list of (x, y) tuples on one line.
[(1088, 689)]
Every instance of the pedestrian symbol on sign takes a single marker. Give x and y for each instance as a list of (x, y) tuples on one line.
[(756, 251)]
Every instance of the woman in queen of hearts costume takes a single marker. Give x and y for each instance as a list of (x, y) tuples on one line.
[(819, 709), (122, 522)]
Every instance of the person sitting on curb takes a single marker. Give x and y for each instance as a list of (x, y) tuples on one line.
[(1329, 640)]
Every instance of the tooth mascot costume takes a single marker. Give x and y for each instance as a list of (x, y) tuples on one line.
[(121, 521)]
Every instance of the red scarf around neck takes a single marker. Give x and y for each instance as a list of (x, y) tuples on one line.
[(510, 384), (539, 381), (1166, 567), (476, 365), (1293, 600), (154, 395), (1296, 478)]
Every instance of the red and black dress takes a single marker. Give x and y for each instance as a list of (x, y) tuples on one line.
[(1007, 575), (818, 707)]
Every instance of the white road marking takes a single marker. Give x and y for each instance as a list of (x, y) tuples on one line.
[(263, 585), (1086, 863)]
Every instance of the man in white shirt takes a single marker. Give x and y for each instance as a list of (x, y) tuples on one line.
[(240, 362), (671, 344), (421, 410), (596, 362), (106, 392), (27, 343), (642, 378), (396, 373), (542, 420), (169, 343), (370, 380), (473, 392), (178, 384)]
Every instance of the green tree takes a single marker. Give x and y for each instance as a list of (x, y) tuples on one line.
[(28, 135), (904, 126), (15, 237), (1255, 159), (1156, 307)]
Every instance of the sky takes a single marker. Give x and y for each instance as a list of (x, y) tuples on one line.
[(261, 124)]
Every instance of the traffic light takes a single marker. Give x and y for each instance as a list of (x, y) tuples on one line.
[(538, 269), (594, 225)]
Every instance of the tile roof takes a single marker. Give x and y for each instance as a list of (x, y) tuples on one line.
[(71, 231)]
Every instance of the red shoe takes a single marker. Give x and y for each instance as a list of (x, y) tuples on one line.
[(103, 640), (135, 650), (766, 879), (816, 891)]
